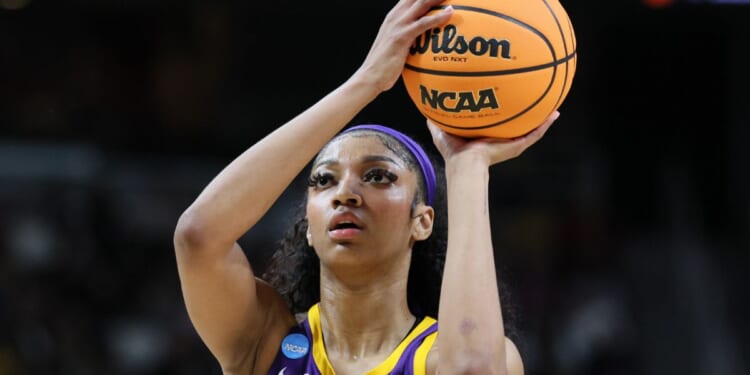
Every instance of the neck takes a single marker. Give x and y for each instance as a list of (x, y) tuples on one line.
[(366, 319)]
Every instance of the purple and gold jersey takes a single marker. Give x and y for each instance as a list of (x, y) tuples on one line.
[(302, 351)]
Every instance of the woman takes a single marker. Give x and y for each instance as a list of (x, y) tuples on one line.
[(368, 207)]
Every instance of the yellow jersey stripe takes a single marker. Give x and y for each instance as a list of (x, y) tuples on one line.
[(386, 366), (420, 356), (319, 351), (324, 365)]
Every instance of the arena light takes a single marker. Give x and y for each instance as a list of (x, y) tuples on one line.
[(728, 2), (658, 4)]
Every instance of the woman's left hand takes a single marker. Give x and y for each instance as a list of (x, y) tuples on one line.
[(406, 20), (491, 150)]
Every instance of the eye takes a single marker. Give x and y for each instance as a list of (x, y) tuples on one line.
[(379, 176), (320, 180)]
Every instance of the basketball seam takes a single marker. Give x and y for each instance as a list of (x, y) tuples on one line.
[(565, 48), (493, 72)]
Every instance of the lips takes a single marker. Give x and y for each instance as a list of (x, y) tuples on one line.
[(344, 226), (344, 221)]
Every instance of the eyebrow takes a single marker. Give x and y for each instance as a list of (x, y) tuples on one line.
[(364, 159)]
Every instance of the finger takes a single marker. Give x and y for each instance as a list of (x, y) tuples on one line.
[(426, 22), (442, 134), (549, 121), (526, 141), (403, 4), (539, 132), (520, 144), (435, 131), (442, 140), (420, 7)]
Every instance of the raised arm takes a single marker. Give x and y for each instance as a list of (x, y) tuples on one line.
[(472, 337), (233, 313)]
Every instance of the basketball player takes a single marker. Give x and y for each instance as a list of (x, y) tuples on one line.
[(370, 239)]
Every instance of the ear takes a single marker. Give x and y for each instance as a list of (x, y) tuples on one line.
[(422, 224), (309, 237)]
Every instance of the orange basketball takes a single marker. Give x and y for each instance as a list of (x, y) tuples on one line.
[(495, 69)]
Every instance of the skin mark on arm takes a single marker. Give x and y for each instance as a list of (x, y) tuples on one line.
[(467, 327)]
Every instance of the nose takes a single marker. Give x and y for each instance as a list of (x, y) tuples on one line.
[(347, 193)]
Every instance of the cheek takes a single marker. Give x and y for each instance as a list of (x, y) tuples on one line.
[(314, 215), (395, 209)]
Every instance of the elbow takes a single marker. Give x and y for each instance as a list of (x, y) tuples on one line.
[(191, 232)]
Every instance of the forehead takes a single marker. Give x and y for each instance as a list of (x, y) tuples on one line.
[(355, 146)]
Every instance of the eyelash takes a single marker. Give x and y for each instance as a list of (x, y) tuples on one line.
[(323, 177), (315, 179), (379, 172)]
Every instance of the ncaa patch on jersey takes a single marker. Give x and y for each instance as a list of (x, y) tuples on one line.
[(295, 346)]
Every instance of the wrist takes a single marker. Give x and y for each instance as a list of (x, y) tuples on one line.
[(365, 83), (467, 164), (468, 161)]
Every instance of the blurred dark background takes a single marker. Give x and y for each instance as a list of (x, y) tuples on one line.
[(623, 237)]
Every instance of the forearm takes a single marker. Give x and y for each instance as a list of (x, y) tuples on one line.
[(229, 309), (244, 191), (471, 327)]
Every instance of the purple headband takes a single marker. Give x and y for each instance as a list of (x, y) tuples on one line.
[(416, 150)]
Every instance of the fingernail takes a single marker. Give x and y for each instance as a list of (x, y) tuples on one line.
[(555, 115), (448, 9)]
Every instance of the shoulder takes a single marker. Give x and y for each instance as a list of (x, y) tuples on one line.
[(512, 359)]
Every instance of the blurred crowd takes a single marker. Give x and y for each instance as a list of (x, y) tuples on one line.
[(622, 238)]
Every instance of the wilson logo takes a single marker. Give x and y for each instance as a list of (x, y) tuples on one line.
[(451, 101), (448, 41)]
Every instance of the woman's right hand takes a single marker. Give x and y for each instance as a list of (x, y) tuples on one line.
[(488, 150), (387, 56)]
